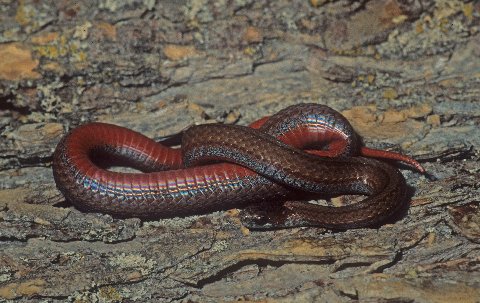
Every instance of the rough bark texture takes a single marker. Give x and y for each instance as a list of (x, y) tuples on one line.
[(406, 73)]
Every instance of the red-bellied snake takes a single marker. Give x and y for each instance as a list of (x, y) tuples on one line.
[(303, 148)]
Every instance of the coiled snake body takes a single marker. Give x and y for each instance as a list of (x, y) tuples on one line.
[(228, 166)]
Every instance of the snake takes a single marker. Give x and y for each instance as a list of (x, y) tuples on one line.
[(304, 150)]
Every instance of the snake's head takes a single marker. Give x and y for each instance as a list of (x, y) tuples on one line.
[(270, 216)]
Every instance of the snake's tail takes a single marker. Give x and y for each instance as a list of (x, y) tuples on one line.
[(383, 154)]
